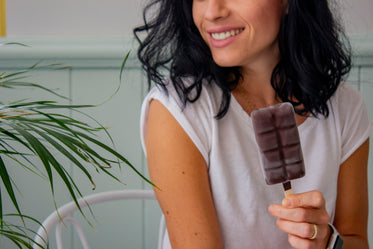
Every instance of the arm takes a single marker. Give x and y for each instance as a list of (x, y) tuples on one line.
[(179, 170), (351, 215), (300, 211)]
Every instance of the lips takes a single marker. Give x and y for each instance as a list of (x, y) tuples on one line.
[(222, 37)]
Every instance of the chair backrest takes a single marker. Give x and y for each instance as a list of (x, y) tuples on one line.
[(63, 212)]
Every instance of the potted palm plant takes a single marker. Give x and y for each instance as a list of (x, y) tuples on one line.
[(39, 129)]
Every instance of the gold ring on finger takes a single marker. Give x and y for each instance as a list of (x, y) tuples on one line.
[(314, 232)]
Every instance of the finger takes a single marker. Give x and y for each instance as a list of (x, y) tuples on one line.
[(312, 199), (309, 215), (303, 230), (300, 243)]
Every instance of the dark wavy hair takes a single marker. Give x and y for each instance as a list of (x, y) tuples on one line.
[(315, 56)]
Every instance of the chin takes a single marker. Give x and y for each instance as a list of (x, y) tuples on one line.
[(225, 61), (228, 58)]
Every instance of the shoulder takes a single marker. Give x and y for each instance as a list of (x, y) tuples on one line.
[(194, 118), (352, 119), (169, 87), (347, 94), (207, 103), (346, 100)]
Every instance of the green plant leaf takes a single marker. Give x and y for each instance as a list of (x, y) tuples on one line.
[(123, 66), (15, 43), (49, 160), (8, 187), (42, 103), (12, 83), (66, 154), (118, 156), (39, 149), (26, 234), (120, 78), (73, 144), (14, 137), (24, 165)]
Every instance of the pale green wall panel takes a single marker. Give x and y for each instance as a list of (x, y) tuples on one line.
[(117, 224), (353, 78), (152, 214), (121, 114)]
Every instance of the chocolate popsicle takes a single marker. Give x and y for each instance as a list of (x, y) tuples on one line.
[(277, 136)]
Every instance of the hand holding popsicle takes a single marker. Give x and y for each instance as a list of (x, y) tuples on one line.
[(299, 214)]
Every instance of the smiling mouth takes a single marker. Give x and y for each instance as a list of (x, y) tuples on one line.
[(226, 34)]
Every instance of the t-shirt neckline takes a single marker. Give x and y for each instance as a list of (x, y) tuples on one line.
[(242, 114)]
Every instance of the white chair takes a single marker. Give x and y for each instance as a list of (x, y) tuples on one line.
[(54, 219)]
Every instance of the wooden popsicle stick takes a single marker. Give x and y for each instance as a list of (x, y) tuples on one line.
[(287, 188)]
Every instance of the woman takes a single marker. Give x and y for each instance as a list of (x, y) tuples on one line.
[(225, 59)]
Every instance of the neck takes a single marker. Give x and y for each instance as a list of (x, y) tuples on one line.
[(256, 78), (256, 84)]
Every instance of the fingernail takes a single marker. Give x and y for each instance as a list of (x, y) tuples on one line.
[(286, 202), (270, 208)]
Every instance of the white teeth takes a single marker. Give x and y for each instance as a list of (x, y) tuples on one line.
[(226, 34)]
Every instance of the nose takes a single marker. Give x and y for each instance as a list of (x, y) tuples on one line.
[(216, 9)]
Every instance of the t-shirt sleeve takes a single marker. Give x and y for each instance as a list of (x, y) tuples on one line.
[(192, 118), (354, 120)]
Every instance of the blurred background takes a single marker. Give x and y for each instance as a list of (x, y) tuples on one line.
[(118, 17), (91, 37)]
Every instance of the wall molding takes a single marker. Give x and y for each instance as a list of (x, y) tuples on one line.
[(108, 52), (86, 52), (362, 47)]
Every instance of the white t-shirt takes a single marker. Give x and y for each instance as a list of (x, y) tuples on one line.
[(240, 194)]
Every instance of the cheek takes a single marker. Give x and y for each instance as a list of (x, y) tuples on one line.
[(198, 20), (264, 15), (196, 12), (267, 23)]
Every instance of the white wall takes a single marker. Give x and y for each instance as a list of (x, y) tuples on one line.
[(357, 15), (118, 17), (73, 17)]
